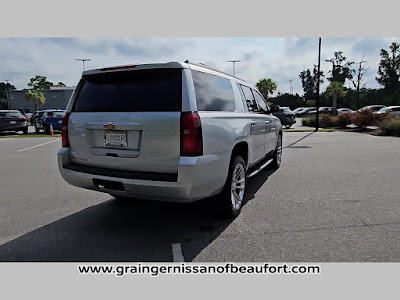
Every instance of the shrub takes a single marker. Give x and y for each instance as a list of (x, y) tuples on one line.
[(342, 120), (383, 117), (390, 126), (326, 120), (364, 118), (308, 121)]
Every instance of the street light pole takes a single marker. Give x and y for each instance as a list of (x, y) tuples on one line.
[(83, 61), (319, 67), (233, 62)]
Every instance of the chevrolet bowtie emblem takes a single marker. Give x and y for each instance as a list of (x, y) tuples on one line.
[(110, 126)]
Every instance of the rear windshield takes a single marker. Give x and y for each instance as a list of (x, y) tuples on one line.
[(56, 114), (11, 114), (135, 91)]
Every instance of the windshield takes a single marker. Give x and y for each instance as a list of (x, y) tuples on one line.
[(287, 110), (384, 109)]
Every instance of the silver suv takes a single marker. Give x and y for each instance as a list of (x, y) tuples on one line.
[(174, 132)]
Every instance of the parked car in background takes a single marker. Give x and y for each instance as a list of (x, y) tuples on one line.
[(49, 118), (284, 114), (374, 108), (298, 110), (345, 111), (13, 120), (176, 132), (35, 116), (305, 111), (322, 110), (393, 110)]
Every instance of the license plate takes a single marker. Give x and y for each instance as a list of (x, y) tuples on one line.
[(13, 122), (59, 122), (115, 138)]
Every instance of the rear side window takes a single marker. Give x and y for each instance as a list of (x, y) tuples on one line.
[(135, 91), (260, 101), (213, 93), (250, 101)]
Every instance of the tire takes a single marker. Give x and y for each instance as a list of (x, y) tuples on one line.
[(25, 130), (232, 199), (119, 198), (36, 129), (277, 156), (46, 130), (288, 126)]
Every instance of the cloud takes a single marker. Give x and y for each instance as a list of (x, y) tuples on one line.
[(281, 59)]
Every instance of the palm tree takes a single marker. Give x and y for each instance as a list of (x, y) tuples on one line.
[(266, 86), (36, 97), (334, 90)]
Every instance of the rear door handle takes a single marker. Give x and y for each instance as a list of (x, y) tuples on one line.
[(266, 122)]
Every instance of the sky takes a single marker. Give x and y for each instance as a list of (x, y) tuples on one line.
[(281, 59)]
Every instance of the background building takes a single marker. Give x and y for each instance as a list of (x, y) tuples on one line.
[(56, 97)]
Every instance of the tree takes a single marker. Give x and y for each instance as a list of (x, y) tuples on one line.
[(40, 83), (287, 99), (266, 86), (3, 103), (357, 78), (310, 103), (389, 68), (334, 90), (36, 97), (340, 68), (309, 82), (4, 87)]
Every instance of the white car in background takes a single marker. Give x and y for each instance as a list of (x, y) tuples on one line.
[(394, 110), (345, 111)]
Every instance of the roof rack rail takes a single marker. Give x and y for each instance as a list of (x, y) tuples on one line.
[(207, 67)]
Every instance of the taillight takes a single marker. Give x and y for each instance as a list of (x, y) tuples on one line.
[(64, 131), (191, 134)]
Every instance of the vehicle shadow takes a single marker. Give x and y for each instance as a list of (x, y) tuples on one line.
[(127, 231)]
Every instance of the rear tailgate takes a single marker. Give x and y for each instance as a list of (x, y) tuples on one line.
[(128, 121), (11, 119)]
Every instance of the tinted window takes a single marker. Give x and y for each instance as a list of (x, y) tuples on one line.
[(56, 114), (213, 93), (11, 114), (141, 91), (260, 101), (251, 104)]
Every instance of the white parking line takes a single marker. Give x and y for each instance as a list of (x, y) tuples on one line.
[(177, 252), (38, 145)]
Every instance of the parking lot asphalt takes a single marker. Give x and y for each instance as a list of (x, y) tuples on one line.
[(335, 198)]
